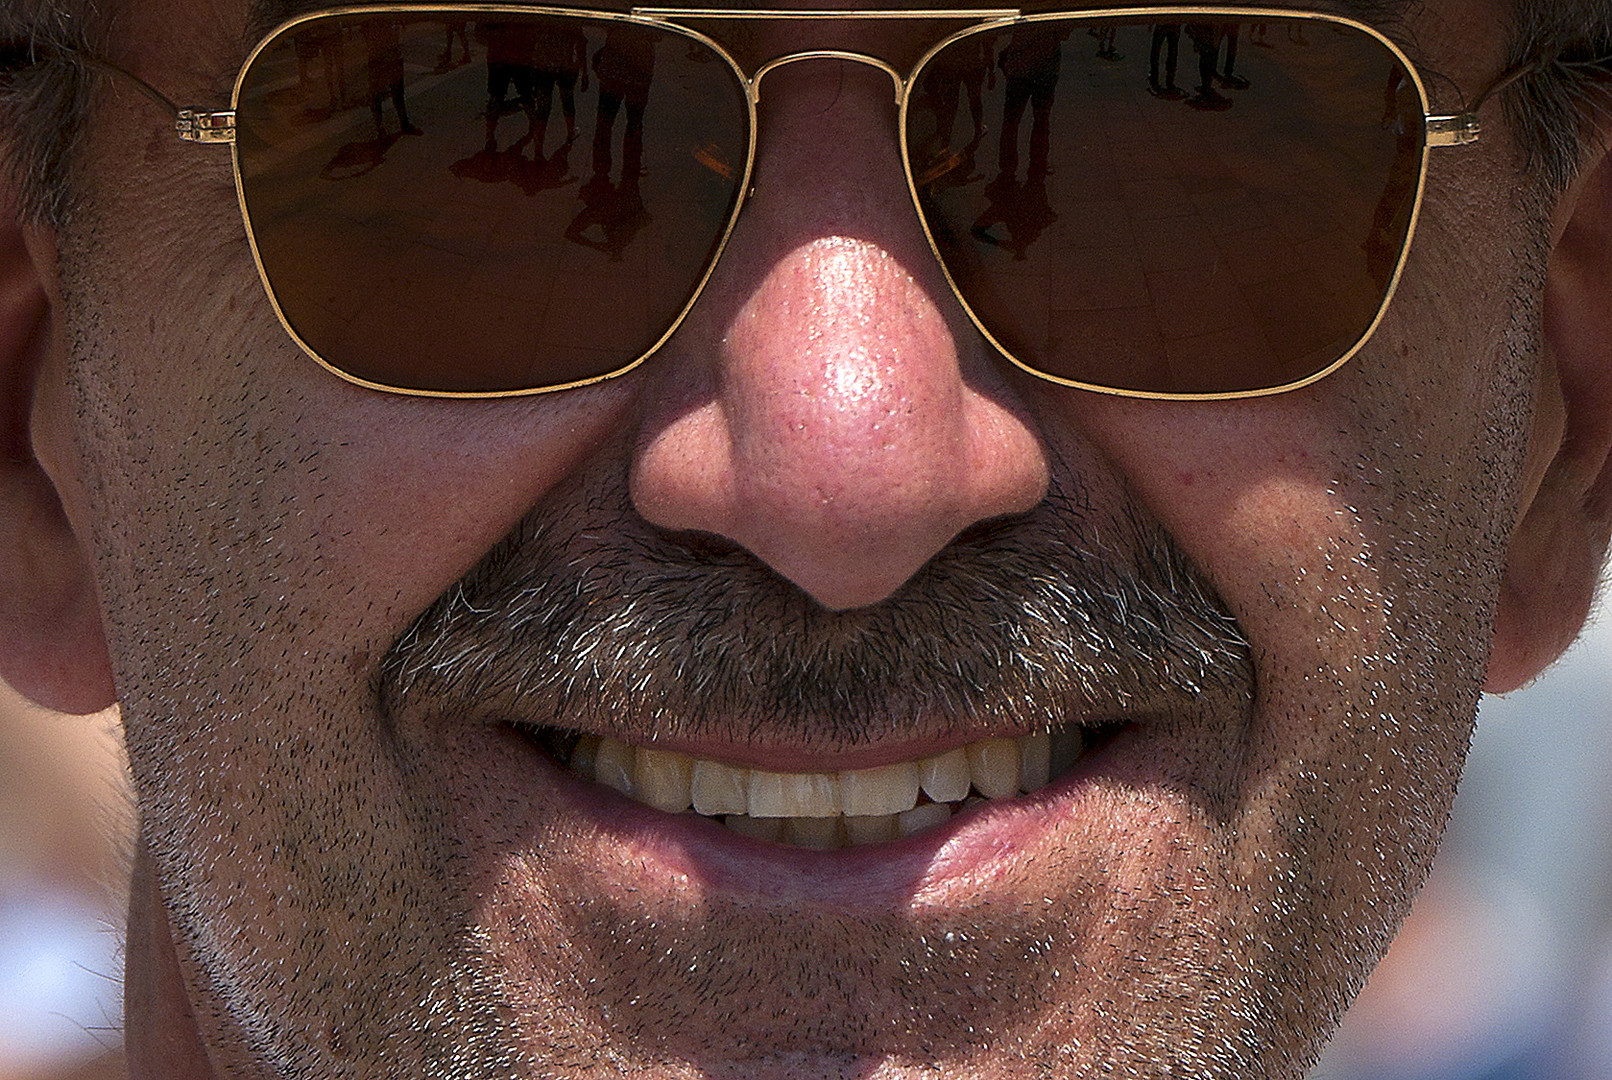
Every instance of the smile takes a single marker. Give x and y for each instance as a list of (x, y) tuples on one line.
[(824, 810)]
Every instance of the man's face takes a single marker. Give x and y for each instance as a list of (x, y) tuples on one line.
[(825, 529)]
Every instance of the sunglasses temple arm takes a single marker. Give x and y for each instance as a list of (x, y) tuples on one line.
[(1506, 78), (192, 125), (107, 67), (1458, 129), (1464, 127), (1532, 67)]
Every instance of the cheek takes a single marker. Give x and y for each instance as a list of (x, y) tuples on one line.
[(218, 452), (415, 491), (230, 460), (1259, 495), (1356, 530), (1389, 483)]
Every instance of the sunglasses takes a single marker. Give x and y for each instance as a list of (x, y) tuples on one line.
[(481, 201)]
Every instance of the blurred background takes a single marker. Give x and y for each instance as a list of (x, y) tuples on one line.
[(65, 829), (1504, 971)]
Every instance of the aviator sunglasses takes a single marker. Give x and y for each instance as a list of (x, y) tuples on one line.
[(480, 200)]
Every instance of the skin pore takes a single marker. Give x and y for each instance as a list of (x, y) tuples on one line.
[(319, 614)]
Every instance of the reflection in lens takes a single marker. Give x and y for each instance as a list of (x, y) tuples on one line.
[(489, 204), (1203, 207)]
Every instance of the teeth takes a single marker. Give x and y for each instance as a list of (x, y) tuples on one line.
[(1035, 761), (762, 828), (830, 810), (1066, 747), (888, 789), (923, 817), (613, 765), (780, 794), (945, 776), (813, 832), (871, 830), (994, 766), (661, 778), (584, 756), (719, 788)]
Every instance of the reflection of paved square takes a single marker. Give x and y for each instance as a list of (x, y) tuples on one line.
[(1242, 231), (1108, 278), (552, 255), (1196, 301), (1122, 344), (1155, 197), (1174, 243), (1246, 254), (1221, 355), (1227, 212), (1094, 224)]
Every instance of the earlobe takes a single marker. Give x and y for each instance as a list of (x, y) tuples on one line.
[(52, 647), (1559, 544)]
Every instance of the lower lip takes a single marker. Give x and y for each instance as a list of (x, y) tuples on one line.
[(691, 850)]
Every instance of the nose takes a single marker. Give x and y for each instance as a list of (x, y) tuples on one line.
[(827, 405)]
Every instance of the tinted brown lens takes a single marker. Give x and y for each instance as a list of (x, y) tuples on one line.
[(1181, 206), (484, 204)]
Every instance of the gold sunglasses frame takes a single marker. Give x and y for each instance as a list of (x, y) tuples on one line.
[(1439, 130)]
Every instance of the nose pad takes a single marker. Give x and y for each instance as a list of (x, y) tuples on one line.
[(827, 405)]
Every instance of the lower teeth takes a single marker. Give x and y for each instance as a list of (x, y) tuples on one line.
[(805, 809)]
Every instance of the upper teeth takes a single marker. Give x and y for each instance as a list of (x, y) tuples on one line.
[(828, 808)]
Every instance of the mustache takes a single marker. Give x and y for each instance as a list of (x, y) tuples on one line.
[(588, 618)]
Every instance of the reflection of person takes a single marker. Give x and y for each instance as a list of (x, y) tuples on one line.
[(384, 54), (454, 30), (559, 60), (1227, 75), (1020, 209), (1389, 220), (1166, 39), (326, 49), (1030, 63), (825, 529), (625, 66), (610, 217), (509, 62), (954, 74), (1206, 39), (1105, 43)]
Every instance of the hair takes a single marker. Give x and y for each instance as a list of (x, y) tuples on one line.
[(1559, 106), (44, 100)]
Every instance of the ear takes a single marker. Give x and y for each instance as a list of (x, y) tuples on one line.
[(1559, 544), (52, 647)]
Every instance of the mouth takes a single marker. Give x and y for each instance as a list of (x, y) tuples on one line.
[(828, 808)]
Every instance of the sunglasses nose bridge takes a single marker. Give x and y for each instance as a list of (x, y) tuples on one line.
[(896, 78)]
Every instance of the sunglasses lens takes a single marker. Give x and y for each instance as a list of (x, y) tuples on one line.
[(1170, 207), (478, 202)]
